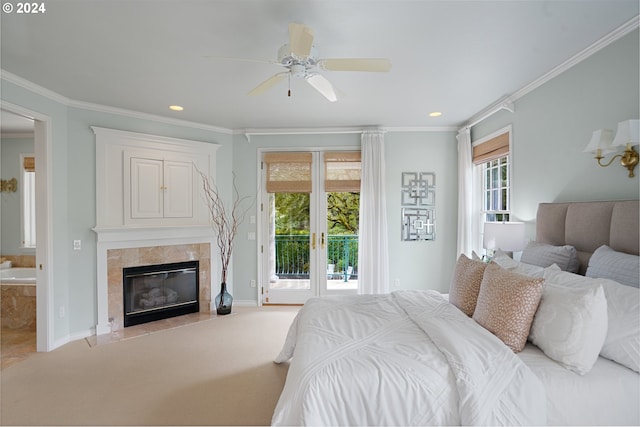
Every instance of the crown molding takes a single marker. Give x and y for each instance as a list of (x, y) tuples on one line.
[(507, 102), (54, 96), (248, 133)]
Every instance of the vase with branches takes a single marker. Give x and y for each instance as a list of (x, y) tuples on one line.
[(225, 222)]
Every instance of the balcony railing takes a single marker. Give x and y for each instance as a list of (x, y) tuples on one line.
[(292, 256)]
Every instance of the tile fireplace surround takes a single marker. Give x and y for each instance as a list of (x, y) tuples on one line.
[(118, 249)]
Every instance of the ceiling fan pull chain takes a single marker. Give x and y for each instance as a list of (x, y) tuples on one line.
[(289, 92)]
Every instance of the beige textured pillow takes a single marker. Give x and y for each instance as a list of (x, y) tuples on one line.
[(465, 283), (506, 305)]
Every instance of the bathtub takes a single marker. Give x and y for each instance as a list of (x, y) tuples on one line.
[(20, 275)]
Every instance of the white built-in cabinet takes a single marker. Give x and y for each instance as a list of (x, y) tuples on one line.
[(148, 180), (160, 188)]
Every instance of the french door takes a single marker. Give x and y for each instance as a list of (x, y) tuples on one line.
[(309, 214)]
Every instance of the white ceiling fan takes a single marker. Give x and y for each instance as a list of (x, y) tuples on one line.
[(300, 60)]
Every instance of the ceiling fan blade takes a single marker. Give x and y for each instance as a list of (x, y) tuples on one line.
[(267, 84), (355, 64), (323, 86), (300, 40), (227, 58)]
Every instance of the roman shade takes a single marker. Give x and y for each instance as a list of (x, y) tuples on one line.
[(29, 164), (342, 170), (288, 172), (491, 149)]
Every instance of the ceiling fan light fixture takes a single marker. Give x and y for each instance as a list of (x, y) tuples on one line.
[(435, 114), (176, 107)]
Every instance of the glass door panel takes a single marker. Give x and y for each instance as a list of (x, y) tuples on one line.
[(343, 210), (291, 244), (292, 237)]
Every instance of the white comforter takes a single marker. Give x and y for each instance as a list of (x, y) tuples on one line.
[(406, 358)]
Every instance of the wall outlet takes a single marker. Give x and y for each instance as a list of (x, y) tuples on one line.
[(251, 235), (396, 283), (77, 245), (253, 283), (61, 312)]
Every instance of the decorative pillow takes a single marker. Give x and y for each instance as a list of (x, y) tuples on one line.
[(622, 342), (465, 283), (507, 263), (570, 325), (506, 305), (617, 266), (543, 255)]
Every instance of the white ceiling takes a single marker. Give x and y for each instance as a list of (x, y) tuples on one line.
[(457, 57)]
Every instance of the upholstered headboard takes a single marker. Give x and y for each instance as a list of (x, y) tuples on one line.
[(589, 225)]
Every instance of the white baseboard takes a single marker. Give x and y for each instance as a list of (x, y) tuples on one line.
[(245, 303), (73, 337)]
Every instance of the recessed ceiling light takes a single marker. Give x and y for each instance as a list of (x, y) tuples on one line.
[(435, 114), (176, 107)]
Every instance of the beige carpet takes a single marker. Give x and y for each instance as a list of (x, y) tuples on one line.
[(215, 372)]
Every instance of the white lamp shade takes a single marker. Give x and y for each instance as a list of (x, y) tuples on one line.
[(628, 133), (601, 139), (506, 236)]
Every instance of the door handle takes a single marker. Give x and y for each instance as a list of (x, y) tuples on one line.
[(313, 240), (322, 241)]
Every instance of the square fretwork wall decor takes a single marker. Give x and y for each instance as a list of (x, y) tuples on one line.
[(418, 198), (418, 189)]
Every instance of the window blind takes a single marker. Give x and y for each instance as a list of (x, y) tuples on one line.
[(288, 172), (342, 170), (29, 164), (491, 149)]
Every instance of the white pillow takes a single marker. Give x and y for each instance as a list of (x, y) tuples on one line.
[(622, 343), (570, 325), (623, 338), (618, 266), (525, 269)]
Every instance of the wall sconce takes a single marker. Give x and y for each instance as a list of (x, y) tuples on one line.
[(602, 142), (9, 185)]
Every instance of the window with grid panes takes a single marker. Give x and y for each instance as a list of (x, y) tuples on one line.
[(496, 189)]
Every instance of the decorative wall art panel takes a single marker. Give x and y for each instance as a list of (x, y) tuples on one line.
[(418, 199), (418, 189), (418, 224)]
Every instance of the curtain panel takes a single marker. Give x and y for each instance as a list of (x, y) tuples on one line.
[(373, 256), (465, 192)]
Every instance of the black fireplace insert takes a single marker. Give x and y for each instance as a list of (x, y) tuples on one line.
[(154, 292)]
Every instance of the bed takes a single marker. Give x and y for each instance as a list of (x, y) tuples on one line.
[(552, 338)]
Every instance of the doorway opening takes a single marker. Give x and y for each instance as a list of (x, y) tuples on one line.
[(310, 214), (18, 121)]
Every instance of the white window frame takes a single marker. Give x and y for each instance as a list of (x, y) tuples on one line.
[(27, 205), (480, 213)]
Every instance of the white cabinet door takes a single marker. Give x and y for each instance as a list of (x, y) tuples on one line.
[(178, 189), (146, 188), (161, 188)]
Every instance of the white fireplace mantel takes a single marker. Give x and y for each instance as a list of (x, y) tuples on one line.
[(120, 226), (137, 237)]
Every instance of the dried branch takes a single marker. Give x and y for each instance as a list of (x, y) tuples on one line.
[(223, 221)]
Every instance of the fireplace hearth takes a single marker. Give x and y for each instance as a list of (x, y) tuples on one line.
[(154, 292)]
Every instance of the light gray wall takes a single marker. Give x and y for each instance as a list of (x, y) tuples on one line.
[(417, 265), (553, 124), (10, 152), (426, 264)]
